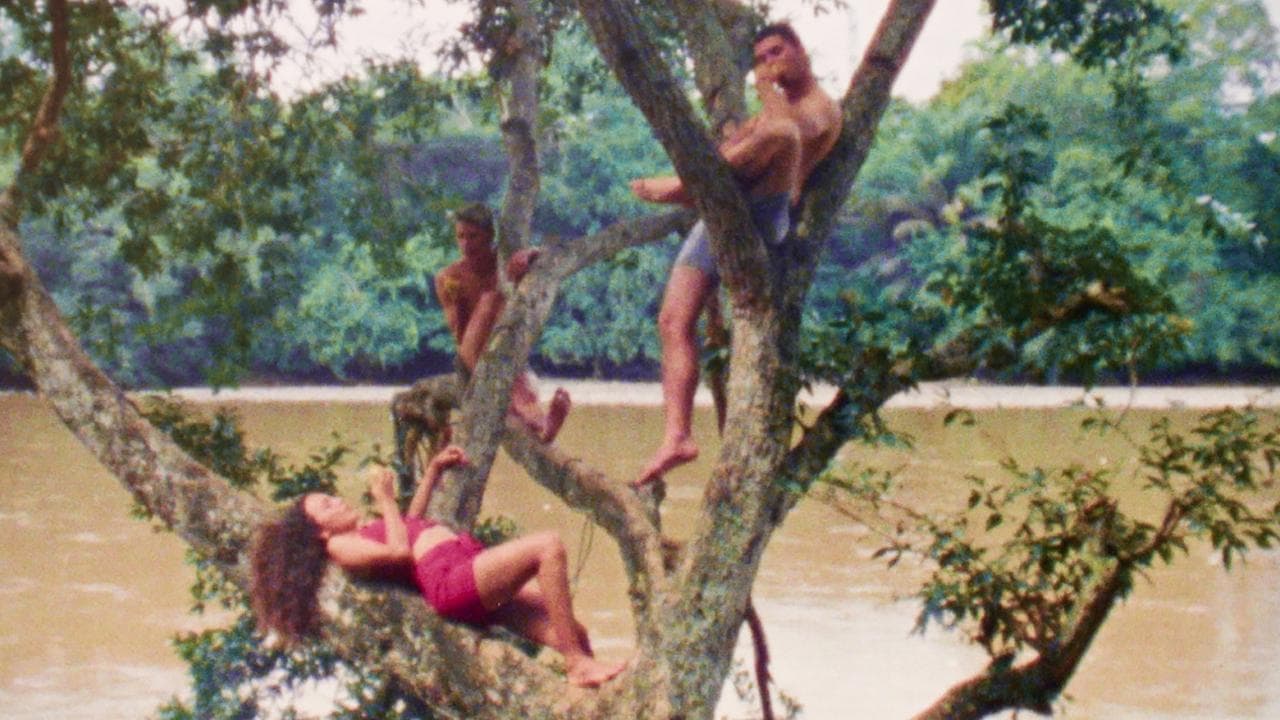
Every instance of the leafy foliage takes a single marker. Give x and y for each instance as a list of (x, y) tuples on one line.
[(235, 672), (1029, 555)]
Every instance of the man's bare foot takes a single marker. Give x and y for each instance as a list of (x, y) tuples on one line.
[(673, 453), (587, 672), (556, 413)]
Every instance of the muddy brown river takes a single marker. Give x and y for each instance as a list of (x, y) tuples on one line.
[(89, 597)]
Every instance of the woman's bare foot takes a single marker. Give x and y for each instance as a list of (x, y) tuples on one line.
[(673, 453), (588, 672), (556, 413)]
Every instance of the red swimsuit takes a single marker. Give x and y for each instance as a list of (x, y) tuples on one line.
[(445, 575)]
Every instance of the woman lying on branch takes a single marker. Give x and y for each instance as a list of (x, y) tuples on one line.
[(522, 584)]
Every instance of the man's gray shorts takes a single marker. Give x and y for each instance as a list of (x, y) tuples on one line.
[(771, 215)]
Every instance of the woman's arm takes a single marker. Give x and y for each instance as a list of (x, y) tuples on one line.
[(351, 551), (448, 457), (354, 553)]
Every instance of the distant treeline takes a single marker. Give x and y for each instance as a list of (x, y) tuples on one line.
[(253, 237)]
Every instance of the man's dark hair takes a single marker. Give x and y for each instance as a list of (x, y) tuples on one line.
[(477, 214), (782, 30)]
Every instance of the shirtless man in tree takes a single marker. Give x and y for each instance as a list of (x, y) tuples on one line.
[(472, 301), (772, 155)]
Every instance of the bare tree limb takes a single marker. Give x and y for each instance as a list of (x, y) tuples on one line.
[(639, 66), (862, 107), (44, 129), (1036, 683), (519, 126), (612, 505), (487, 397), (716, 35)]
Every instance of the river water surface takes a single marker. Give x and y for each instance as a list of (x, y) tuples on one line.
[(89, 597)]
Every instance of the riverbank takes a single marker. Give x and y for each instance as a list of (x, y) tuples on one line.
[(969, 395)]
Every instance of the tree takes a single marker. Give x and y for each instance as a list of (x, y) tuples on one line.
[(1022, 284)]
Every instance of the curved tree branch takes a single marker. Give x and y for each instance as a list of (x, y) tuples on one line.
[(639, 66), (44, 129), (610, 504), (1036, 683)]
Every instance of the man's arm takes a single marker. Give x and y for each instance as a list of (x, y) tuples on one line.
[(519, 263), (749, 148), (480, 323), (449, 293), (740, 151)]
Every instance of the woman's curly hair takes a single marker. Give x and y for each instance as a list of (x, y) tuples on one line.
[(289, 560)]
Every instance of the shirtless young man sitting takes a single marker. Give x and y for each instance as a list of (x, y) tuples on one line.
[(772, 155), (472, 301)]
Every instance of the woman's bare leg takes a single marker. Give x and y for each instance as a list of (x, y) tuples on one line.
[(526, 614), (501, 572)]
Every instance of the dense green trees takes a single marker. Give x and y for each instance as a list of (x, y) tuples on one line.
[(1034, 219), (1200, 230), (309, 226)]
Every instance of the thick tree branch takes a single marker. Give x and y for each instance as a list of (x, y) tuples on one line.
[(465, 672), (44, 129), (717, 36), (486, 398), (218, 522), (519, 126), (862, 107), (635, 60)]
